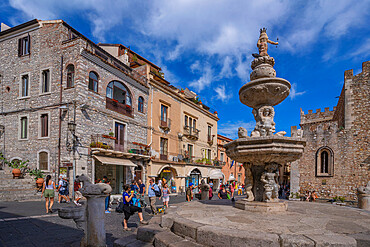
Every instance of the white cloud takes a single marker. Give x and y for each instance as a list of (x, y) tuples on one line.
[(363, 50), (230, 129), (221, 93), (205, 80), (294, 93)]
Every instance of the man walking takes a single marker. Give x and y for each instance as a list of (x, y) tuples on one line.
[(152, 197)]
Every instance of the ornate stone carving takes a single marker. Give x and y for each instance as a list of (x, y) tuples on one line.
[(262, 42), (92, 189), (264, 117), (242, 132), (269, 179), (364, 190), (281, 133), (250, 196)]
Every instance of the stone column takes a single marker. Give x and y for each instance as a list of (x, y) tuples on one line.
[(95, 227)]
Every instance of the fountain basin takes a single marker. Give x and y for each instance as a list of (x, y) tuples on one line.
[(71, 212), (266, 149), (264, 91)]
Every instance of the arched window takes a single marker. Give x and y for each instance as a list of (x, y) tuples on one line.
[(70, 75), (93, 81), (324, 162), (43, 161), (119, 92), (141, 104)]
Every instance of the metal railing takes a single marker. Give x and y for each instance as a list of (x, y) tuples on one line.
[(191, 132), (110, 143), (164, 123)]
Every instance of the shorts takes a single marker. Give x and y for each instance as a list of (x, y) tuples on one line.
[(78, 195), (129, 210), (63, 192), (49, 193), (166, 199)]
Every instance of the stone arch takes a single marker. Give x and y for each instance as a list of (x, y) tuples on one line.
[(324, 160)]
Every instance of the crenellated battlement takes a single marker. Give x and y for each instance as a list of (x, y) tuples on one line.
[(348, 74), (318, 116)]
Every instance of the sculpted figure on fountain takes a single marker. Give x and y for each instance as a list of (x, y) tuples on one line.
[(271, 186)]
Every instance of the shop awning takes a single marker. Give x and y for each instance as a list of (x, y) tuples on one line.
[(114, 161), (216, 174)]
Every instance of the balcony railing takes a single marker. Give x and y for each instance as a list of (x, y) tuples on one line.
[(210, 139), (116, 106), (109, 143), (191, 132), (164, 123)]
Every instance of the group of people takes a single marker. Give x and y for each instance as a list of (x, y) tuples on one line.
[(229, 190), (48, 191), (310, 196)]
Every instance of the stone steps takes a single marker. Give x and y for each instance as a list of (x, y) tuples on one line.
[(23, 189), (156, 235)]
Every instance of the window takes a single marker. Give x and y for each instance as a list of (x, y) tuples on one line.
[(164, 149), (43, 161), (222, 157), (324, 162), (25, 84), (190, 150), (72, 34), (45, 81), (93, 81), (186, 120), (44, 125), (209, 136), (118, 92), (141, 104), (24, 127), (164, 113), (209, 154), (24, 46), (70, 76), (194, 123)]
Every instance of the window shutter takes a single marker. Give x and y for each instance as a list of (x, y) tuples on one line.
[(29, 44), (19, 47)]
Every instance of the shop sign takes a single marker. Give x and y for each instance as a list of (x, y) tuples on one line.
[(63, 172), (166, 171), (67, 165)]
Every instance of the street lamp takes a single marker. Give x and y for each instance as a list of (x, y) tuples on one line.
[(72, 127)]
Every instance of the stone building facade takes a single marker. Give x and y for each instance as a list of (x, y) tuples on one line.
[(182, 132), (51, 75), (336, 159)]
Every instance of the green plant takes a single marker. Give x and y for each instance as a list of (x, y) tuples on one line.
[(111, 133), (339, 198), (37, 173), (15, 164), (134, 58)]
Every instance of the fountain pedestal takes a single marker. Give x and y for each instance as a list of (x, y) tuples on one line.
[(263, 152)]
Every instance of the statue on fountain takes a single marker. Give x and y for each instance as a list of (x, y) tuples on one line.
[(262, 44), (271, 186)]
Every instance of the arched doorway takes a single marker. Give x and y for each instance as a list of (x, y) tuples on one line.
[(168, 174), (194, 177)]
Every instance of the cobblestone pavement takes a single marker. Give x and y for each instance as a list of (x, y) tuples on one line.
[(26, 224)]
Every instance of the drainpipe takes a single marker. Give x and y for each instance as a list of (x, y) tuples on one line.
[(60, 115)]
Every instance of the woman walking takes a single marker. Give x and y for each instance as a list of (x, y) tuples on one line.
[(48, 192), (129, 209), (166, 195)]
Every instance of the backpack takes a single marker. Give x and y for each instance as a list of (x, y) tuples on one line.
[(119, 208), (158, 193)]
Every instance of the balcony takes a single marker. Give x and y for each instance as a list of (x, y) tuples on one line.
[(210, 139), (165, 123), (191, 133), (116, 106)]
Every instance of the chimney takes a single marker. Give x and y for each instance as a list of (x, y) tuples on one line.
[(4, 27)]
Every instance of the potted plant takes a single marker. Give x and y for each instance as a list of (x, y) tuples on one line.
[(39, 177), (111, 133), (19, 167)]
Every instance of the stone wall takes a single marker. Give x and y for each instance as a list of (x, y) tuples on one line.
[(349, 142), (49, 43)]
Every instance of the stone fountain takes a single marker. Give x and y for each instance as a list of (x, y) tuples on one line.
[(264, 151), (91, 218)]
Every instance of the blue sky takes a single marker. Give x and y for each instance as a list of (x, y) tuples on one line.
[(206, 45)]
